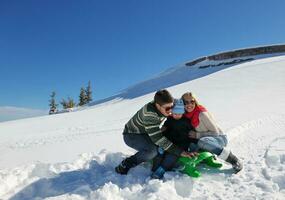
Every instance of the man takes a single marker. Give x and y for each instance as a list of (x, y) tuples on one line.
[(142, 133)]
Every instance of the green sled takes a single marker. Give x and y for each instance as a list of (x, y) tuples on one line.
[(189, 164)]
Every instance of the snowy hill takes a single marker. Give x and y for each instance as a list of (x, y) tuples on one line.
[(185, 72), (39, 157)]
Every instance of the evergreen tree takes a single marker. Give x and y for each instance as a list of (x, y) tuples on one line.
[(88, 93), (52, 103), (82, 97), (64, 103), (70, 103)]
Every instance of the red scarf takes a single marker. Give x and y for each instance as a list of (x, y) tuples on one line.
[(194, 115)]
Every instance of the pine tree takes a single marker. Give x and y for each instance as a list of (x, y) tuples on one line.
[(52, 103), (88, 93), (64, 103), (69, 103), (82, 97)]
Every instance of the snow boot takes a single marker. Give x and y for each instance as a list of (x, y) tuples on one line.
[(236, 163), (158, 173), (125, 165), (229, 157)]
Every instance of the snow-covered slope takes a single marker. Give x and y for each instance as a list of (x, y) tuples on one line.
[(39, 157), (180, 74)]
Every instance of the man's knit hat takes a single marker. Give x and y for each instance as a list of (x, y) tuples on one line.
[(178, 107)]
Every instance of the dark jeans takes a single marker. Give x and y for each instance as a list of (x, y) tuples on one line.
[(167, 161), (147, 150)]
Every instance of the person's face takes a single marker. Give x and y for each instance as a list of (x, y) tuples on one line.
[(189, 104), (165, 109), (177, 116)]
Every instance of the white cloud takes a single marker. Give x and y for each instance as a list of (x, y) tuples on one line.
[(12, 113)]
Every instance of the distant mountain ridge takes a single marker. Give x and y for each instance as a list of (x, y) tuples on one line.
[(271, 49)]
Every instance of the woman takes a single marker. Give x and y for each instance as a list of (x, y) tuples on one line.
[(210, 137)]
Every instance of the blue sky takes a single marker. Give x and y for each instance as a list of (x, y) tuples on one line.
[(59, 45)]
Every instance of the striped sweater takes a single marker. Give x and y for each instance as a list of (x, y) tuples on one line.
[(147, 121)]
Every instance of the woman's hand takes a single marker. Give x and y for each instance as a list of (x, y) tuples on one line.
[(192, 135)]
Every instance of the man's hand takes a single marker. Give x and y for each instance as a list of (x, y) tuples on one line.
[(192, 135), (189, 154)]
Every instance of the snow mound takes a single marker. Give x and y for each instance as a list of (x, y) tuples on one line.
[(91, 177)]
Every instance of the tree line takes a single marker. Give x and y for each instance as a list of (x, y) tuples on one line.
[(85, 97)]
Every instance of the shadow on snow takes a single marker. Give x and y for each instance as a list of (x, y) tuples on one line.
[(84, 181)]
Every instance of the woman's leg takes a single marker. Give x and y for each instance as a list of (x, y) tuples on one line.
[(213, 144), (217, 145)]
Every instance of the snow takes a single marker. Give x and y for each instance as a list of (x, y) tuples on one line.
[(73, 155), (12, 113)]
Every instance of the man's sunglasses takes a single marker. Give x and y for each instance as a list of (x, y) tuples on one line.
[(167, 108), (189, 102)]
